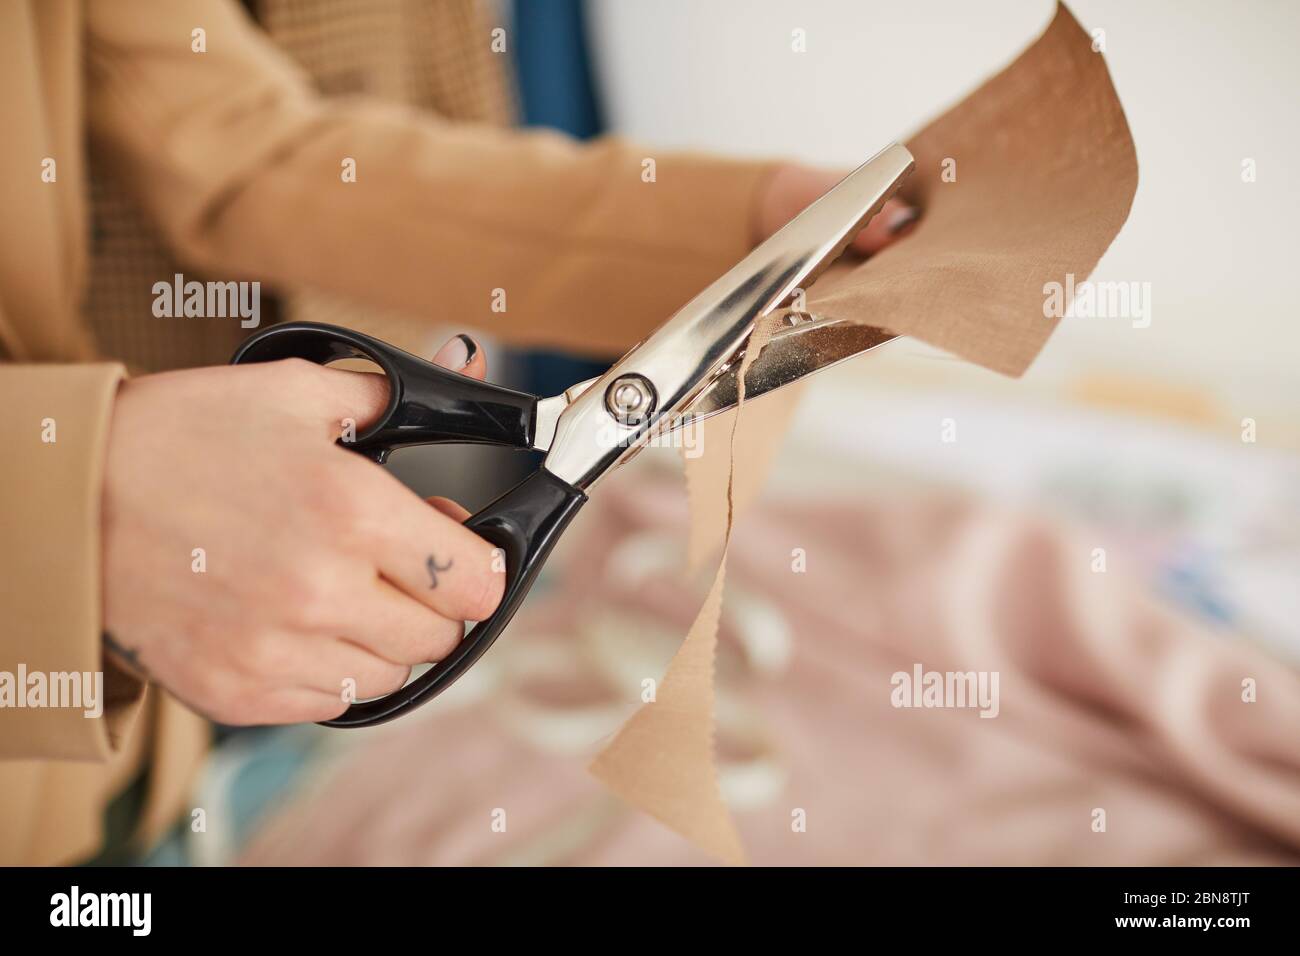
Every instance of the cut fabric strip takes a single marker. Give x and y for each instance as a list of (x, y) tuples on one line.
[(662, 761)]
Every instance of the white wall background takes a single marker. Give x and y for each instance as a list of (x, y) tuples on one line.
[(1205, 83)]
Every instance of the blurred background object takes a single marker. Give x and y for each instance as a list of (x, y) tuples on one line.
[(1107, 700)]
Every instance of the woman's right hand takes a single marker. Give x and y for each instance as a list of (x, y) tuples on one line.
[(262, 573)]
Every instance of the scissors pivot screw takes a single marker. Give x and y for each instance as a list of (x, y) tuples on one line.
[(630, 398)]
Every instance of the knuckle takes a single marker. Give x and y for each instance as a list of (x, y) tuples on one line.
[(295, 381), (345, 495), (296, 372), (309, 596)]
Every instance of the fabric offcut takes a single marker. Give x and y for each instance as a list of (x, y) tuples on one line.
[(1023, 183), (662, 760)]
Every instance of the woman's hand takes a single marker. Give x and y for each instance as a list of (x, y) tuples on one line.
[(260, 572), (792, 187)]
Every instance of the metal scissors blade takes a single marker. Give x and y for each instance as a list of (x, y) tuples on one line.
[(649, 388), (808, 344)]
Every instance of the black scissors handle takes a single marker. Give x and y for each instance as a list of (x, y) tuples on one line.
[(426, 404), (430, 405)]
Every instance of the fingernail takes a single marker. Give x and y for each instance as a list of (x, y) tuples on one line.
[(456, 353), (900, 219), (471, 347)]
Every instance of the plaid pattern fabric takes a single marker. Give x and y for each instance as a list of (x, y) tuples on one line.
[(428, 53), (431, 54)]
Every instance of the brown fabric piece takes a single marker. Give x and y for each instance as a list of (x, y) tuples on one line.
[(1045, 176), (662, 759), (753, 449)]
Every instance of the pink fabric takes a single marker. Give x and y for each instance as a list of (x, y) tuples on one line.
[(1107, 700)]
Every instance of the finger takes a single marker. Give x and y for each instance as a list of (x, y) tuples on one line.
[(355, 399), (428, 555), (239, 705), (294, 705), (895, 220), (342, 667), (401, 630), (450, 508), (462, 354), (296, 658), (359, 398)]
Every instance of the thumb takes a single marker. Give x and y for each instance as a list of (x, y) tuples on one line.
[(361, 397)]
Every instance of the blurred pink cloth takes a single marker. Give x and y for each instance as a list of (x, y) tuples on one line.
[(1108, 701)]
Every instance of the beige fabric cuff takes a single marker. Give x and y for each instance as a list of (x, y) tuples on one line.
[(55, 431)]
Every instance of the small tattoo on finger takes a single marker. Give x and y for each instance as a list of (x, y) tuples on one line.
[(431, 564)]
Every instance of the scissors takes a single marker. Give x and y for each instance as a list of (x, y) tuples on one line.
[(684, 372)]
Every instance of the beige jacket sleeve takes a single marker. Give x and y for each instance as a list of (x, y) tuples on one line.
[(240, 164), (54, 431)]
